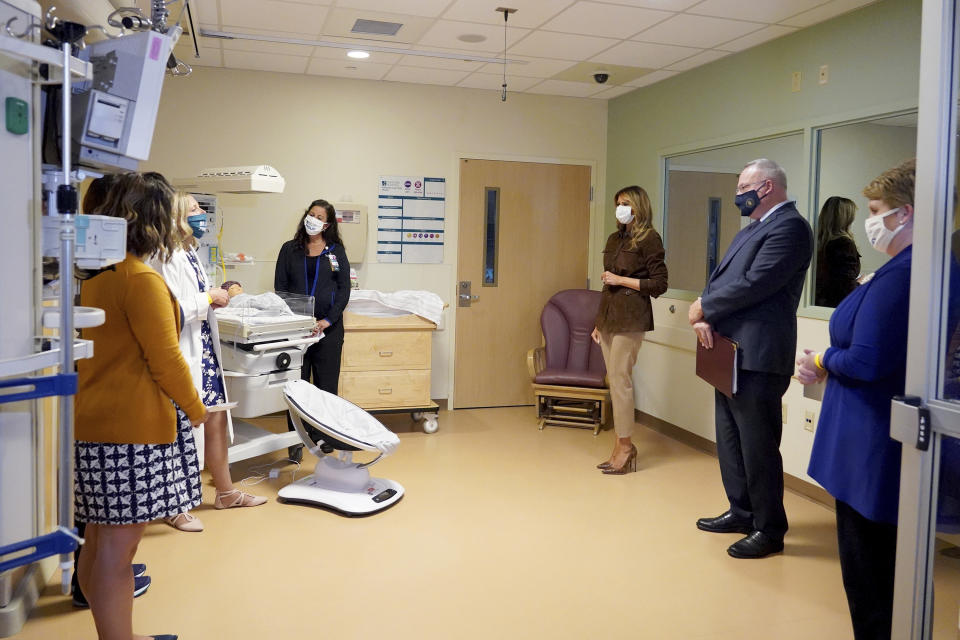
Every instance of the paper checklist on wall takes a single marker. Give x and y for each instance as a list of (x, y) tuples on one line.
[(410, 219)]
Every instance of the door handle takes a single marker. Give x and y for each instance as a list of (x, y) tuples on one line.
[(464, 298)]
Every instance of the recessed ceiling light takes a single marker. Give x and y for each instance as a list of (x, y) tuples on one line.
[(471, 37), (359, 55)]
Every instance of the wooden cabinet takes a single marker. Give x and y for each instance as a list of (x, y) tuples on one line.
[(386, 362)]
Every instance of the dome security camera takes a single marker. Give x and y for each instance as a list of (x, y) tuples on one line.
[(600, 77)]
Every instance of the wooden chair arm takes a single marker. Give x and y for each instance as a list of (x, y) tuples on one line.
[(536, 361)]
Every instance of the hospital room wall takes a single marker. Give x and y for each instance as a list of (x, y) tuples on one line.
[(873, 54), (332, 138)]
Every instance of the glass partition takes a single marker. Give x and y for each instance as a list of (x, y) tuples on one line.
[(848, 157), (700, 218)]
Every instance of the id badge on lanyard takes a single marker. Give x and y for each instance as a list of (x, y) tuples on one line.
[(334, 265)]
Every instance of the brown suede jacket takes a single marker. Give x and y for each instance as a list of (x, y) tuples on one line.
[(623, 309)]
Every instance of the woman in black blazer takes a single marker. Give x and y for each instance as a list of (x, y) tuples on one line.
[(838, 261)]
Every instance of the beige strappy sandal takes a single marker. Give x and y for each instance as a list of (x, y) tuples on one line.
[(237, 498), (185, 522)]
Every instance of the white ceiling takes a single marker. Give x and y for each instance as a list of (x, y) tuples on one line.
[(664, 36)]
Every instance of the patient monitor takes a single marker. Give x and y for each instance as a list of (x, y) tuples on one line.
[(114, 115)]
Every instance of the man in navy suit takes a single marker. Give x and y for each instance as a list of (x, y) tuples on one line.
[(752, 298)]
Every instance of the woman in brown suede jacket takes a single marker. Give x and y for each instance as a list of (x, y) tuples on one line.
[(634, 271)]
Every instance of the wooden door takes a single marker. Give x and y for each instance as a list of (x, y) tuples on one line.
[(524, 235)]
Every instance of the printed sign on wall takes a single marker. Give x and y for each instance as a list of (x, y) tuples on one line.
[(410, 219)]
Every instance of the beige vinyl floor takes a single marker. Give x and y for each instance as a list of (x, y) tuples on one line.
[(505, 532)]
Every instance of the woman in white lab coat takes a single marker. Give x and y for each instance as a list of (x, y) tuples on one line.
[(200, 344)]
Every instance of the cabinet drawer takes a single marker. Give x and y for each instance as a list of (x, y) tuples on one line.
[(386, 350), (382, 389)]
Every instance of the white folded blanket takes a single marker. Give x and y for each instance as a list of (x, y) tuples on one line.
[(425, 304), (262, 304)]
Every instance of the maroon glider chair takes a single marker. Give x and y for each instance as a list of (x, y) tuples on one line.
[(568, 373)]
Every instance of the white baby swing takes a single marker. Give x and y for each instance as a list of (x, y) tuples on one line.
[(338, 483)]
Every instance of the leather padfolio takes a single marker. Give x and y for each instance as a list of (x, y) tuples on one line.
[(718, 366)]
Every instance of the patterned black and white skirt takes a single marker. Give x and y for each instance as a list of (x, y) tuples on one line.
[(120, 484)]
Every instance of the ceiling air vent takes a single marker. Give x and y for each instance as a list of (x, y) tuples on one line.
[(376, 27)]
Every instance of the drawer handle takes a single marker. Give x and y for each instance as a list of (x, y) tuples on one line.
[(385, 390), (386, 354)]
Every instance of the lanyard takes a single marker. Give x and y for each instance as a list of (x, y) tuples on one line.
[(316, 276)]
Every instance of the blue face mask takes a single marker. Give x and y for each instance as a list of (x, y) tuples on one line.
[(198, 224), (747, 202)]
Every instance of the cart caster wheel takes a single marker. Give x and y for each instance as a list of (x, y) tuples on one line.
[(430, 425), (416, 415), (295, 453)]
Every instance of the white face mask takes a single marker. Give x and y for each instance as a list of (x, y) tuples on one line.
[(624, 214), (877, 232), (313, 226)]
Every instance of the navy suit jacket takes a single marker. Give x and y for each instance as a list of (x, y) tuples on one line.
[(753, 294)]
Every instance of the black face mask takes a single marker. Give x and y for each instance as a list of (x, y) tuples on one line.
[(747, 201)]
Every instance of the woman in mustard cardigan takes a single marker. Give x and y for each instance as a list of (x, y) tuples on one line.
[(133, 395)]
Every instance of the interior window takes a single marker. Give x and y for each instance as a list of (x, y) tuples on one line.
[(700, 217), (848, 158)]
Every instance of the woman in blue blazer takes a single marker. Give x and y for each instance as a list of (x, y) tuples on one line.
[(854, 457)]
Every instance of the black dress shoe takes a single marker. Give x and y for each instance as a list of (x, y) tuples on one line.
[(756, 545), (725, 523)]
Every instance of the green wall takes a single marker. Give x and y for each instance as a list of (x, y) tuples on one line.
[(874, 57)]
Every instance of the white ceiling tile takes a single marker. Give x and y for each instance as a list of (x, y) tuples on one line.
[(565, 88), (645, 54), (825, 12), (666, 5), (535, 67), (428, 8), (440, 63), (419, 75), (765, 11), (696, 31), (562, 46), (493, 82), (208, 57), (757, 37), (347, 68), (205, 12), (444, 33), (273, 15), (613, 92), (530, 13), (651, 78), (264, 61), (240, 44), (698, 60), (591, 18)]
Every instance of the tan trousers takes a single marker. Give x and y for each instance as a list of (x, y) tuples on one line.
[(619, 355)]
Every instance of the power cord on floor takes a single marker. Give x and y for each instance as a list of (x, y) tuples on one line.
[(270, 470)]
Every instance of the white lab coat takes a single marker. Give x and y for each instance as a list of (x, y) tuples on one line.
[(181, 277)]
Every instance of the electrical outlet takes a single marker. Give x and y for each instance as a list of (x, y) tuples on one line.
[(810, 420), (824, 74), (795, 80), (783, 413)]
